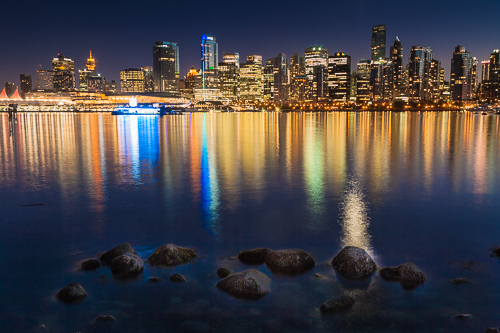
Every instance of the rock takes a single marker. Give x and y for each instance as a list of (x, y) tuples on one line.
[(253, 257), (177, 278), (154, 279), (107, 257), (249, 284), (463, 316), (492, 330), (410, 276), (223, 272), (496, 251), (290, 262), (193, 326), (104, 319), (127, 266), (390, 273), (91, 264), (354, 263), (460, 281), (337, 304), (171, 255), (72, 293)]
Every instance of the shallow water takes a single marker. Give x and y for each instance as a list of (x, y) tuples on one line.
[(420, 187)]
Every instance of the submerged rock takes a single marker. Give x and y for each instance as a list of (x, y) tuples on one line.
[(337, 304), (107, 257), (354, 263), (177, 278), (72, 293), (223, 272), (104, 319), (496, 251), (292, 261), (410, 276), (460, 281), (127, 266), (91, 264), (154, 279), (390, 273), (171, 255), (253, 257), (249, 284)]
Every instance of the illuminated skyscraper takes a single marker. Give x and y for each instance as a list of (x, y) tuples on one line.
[(209, 65), (189, 80), (397, 60), (436, 81), (132, 80), (491, 87), (229, 78), (339, 77), (281, 86), (485, 70), (95, 83), (378, 42), (418, 72), (297, 69), (461, 75), (111, 87), (268, 80), (64, 73), (148, 79), (85, 73), (44, 80), (251, 79), (315, 56), (166, 67), (26, 85), (363, 81), (231, 58)]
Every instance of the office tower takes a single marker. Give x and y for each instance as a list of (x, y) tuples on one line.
[(485, 70), (166, 67), (64, 73), (491, 86), (132, 80), (339, 77), (436, 81), (376, 82), (268, 80), (353, 86), (388, 69), (297, 68), (418, 72), (26, 85), (95, 83), (149, 86), (397, 60), (44, 80), (85, 73), (189, 80), (363, 81), (231, 58), (10, 88), (229, 78), (209, 66), (111, 87), (280, 93), (319, 88), (461, 75), (378, 42), (315, 56), (251, 79)]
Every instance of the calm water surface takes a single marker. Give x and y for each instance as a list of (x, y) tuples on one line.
[(420, 187)]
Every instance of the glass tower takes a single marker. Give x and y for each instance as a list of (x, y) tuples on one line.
[(378, 42), (166, 67), (209, 63)]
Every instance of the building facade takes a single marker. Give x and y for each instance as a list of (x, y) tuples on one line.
[(378, 42), (132, 80), (461, 75), (339, 77), (251, 79), (166, 67)]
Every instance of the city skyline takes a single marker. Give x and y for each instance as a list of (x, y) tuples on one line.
[(237, 34)]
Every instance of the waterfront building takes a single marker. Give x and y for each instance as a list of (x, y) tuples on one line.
[(229, 78), (165, 68), (376, 82), (132, 80), (319, 87), (209, 66), (339, 77), (461, 75), (363, 81), (378, 42), (268, 80), (435, 81), (10, 88), (231, 58), (491, 87), (85, 73), (302, 89), (189, 80), (26, 85), (315, 56), (44, 80), (397, 60), (64, 73), (251, 79), (418, 72), (280, 93), (149, 85), (353, 86), (297, 68), (111, 87), (95, 83), (485, 70)]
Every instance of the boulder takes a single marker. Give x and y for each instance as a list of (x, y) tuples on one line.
[(390, 273), (154, 279), (127, 266), (177, 278), (253, 257), (496, 251), (492, 330), (289, 262), (107, 257), (410, 276), (171, 255), (223, 272), (354, 263), (104, 319), (72, 293), (249, 284), (337, 304), (458, 281), (91, 264)]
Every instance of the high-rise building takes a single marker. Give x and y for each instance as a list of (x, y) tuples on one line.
[(95, 83), (85, 73), (297, 68), (251, 79), (376, 80), (378, 42), (268, 80), (111, 87), (461, 75), (485, 70), (491, 87), (339, 77), (229, 78), (435, 81), (418, 72), (189, 80), (209, 66), (132, 80), (44, 80), (397, 60), (149, 85), (10, 88), (363, 81), (64, 73), (166, 67), (26, 85), (281, 87), (231, 58), (315, 56), (354, 85)]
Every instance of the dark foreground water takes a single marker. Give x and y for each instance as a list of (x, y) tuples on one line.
[(420, 187)]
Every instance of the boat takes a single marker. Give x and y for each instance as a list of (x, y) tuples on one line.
[(133, 108), (480, 108)]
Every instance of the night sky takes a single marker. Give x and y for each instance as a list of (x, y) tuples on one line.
[(121, 34)]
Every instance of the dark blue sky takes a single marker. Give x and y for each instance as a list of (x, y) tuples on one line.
[(121, 34)]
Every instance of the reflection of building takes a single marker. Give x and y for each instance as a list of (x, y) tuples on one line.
[(378, 42), (251, 79), (64, 73), (166, 67), (339, 77), (131, 80)]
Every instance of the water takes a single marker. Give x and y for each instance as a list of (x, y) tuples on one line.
[(421, 187)]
